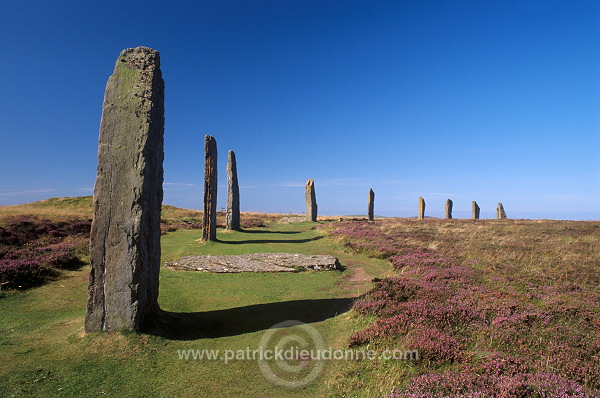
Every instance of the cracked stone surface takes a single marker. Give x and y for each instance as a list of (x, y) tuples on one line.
[(209, 217), (125, 234), (292, 219), (257, 262), (311, 201), (371, 209), (232, 219)]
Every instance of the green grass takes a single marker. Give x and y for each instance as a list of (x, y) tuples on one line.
[(45, 352), (275, 238)]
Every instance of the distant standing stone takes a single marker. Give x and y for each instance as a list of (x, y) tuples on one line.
[(448, 209), (371, 205), (233, 194), (475, 211), (311, 201), (209, 218), (125, 235), (500, 213), (421, 208)]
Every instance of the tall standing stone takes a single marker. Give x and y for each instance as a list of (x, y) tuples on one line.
[(500, 213), (311, 201), (448, 209), (371, 205), (125, 235), (475, 211), (209, 217), (421, 208), (233, 194)]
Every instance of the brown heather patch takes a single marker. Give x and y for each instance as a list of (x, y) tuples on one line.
[(554, 250)]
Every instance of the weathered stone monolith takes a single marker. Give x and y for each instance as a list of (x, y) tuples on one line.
[(421, 208), (500, 213), (125, 235), (448, 209), (371, 205), (311, 201), (209, 217), (475, 211), (233, 194)]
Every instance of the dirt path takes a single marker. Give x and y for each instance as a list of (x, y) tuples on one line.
[(359, 275), (358, 282)]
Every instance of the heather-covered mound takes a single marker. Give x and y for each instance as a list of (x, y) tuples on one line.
[(495, 308)]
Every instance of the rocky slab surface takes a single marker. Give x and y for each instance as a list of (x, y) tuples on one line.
[(292, 219), (258, 262)]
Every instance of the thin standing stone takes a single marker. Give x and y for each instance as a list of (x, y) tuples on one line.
[(233, 194), (125, 234), (209, 218), (371, 205), (421, 208), (500, 213), (475, 211), (311, 201), (448, 209)]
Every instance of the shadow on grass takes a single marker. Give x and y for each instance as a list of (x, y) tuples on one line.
[(240, 320), (258, 241), (257, 231), (72, 264)]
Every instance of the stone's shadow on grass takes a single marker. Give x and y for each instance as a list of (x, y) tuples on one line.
[(265, 231), (241, 320), (262, 241)]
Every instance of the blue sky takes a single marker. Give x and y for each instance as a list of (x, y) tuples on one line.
[(495, 101)]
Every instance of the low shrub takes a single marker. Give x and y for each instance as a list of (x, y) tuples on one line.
[(32, 250), (23, 274)]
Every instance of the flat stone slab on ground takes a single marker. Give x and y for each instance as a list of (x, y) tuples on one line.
[(257, 262), (291, 219)]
